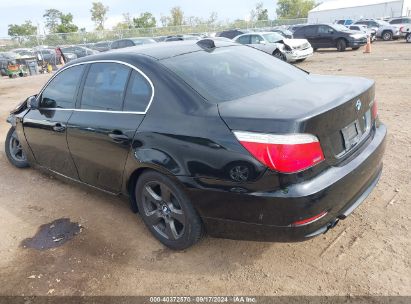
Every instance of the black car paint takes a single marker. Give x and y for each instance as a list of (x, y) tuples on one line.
[(327, 40), (184, 137)]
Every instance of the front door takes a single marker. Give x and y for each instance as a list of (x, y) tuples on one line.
[(45, 128), (325, 36), (101, 130)]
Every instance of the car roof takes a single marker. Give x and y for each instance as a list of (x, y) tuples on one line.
[(158, 51)]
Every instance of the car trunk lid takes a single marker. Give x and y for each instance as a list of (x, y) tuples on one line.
[(335, 109)]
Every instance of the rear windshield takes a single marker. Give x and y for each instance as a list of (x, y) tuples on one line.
[(229, 73)]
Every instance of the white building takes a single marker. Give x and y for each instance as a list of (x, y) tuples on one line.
[(330, 11)]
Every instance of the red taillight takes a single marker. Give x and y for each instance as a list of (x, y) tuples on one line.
[(374, 109), (309, 220), (284, 153)]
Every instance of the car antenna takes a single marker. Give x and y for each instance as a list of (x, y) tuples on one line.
[(207, 44)]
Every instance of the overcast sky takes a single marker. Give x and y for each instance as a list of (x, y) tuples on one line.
[(17, 11)]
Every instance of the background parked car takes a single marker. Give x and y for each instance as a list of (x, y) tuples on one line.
[(385, 31), (6, 58), (80, 51), (231, 34), (24, 52), (283, 32), (345, 22), (406, 31), (364, 29), (50, 56), (331, 36), (102, 46), (181, 38), (123, 43), (401, 23), (289, 50)]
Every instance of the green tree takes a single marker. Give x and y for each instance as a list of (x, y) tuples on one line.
[(98, 14), (66, 24), (52, 17), (177, 16), (289, 9), (261, 12), (25, 29), (146, 20)]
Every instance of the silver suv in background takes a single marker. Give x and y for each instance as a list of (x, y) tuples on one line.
[(385, 31), (402, 23)]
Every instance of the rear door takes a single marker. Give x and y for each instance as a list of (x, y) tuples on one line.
[(45, 128), (310, 33), (113, 103)]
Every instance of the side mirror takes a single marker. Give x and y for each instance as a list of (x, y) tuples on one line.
[(32, 103), (263, 42)]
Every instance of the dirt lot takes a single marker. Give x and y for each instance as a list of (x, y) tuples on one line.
[(367, 254)]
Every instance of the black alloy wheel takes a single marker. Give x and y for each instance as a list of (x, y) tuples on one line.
[(14, 150), (167, 212)]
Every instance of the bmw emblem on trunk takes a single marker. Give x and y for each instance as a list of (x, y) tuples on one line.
[(358, 105)]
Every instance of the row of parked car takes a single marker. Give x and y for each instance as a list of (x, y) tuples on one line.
[(294, 43)]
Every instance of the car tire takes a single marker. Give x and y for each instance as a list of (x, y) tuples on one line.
[(301, 60), (408, 38), (167, 211), (14, 151), (387, 36), (356, 48), (341, 45), (279, 55)]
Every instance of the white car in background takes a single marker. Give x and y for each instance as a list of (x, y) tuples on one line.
[(289, 50)]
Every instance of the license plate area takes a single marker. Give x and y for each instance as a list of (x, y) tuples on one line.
[(356, 132), (351, 135)]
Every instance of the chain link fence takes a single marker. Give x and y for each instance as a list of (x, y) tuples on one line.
[(53, 40)]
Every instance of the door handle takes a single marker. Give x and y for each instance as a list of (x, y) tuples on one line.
[(118, 137), (58, 127)]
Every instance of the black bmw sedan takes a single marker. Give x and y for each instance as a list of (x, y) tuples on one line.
[(207, 136)]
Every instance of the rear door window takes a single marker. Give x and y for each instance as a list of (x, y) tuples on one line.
[(138, 93), (310, 31), (244, 39), (105, 85), (61, 92), (256, 39)]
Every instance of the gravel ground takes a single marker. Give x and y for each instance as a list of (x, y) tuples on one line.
[(367, 254)]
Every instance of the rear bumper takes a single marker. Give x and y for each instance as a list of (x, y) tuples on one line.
[(269, 216)]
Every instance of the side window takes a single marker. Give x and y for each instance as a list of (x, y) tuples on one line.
[(255, 39), (341, 22), (114, 45), (138, 93), (310, 31), (244, 39), (324, 29), (61, 91), (396, 21), (105, 86)]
